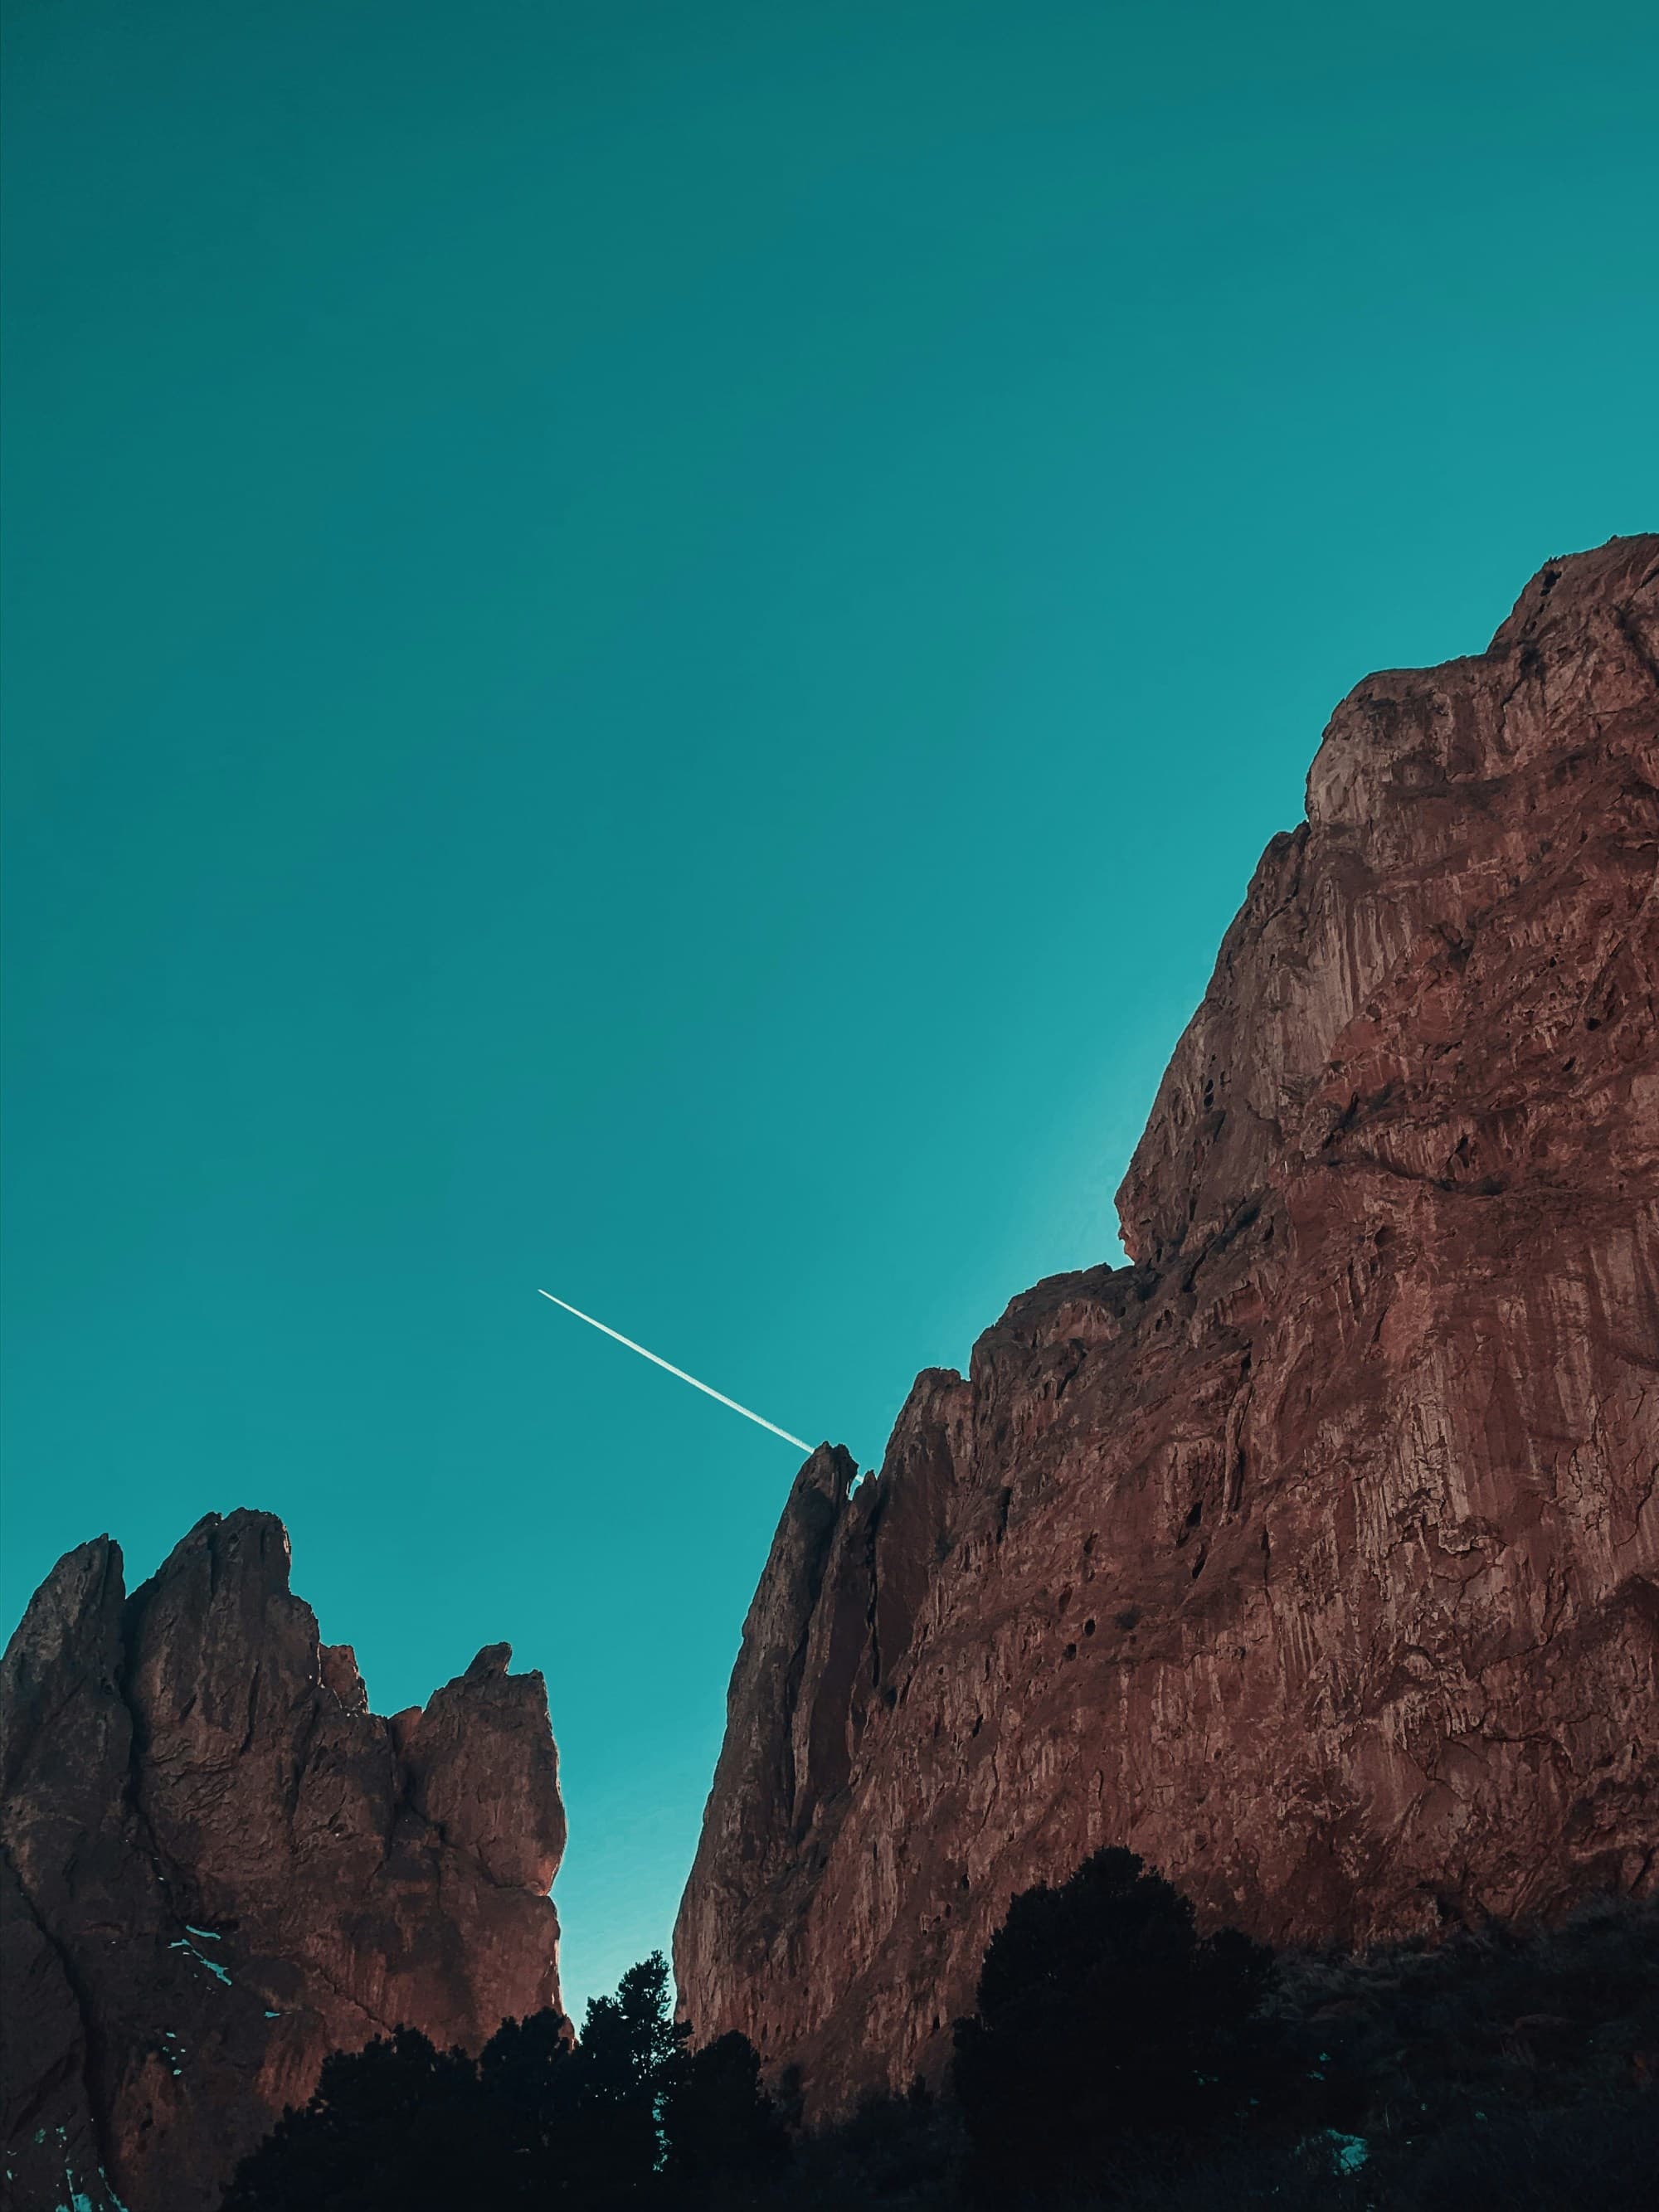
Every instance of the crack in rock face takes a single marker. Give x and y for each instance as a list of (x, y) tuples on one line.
[(1314, 1555), (217, 1866)]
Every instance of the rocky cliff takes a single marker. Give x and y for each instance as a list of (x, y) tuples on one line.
[(218, 1865), (1314, 1555)]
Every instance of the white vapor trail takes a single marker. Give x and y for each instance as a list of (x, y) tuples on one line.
[(680, 1371)]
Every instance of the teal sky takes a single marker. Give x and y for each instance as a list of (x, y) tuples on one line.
[(647, 648)]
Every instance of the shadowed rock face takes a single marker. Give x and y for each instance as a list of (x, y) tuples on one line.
[(1315, 1554), (217, 1865)]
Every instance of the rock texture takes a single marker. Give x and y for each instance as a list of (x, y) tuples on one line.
[(1314, 1555), (217, 1865)]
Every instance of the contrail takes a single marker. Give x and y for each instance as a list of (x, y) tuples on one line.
[(680, 1371)]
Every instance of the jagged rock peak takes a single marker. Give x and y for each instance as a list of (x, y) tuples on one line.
[(1314, 1555), (218, 1865)]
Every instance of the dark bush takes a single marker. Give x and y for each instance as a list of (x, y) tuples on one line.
[(1103, 2015), (1117, 2062), (719, 2126), (396, 2126), (1599, 2156), (621, 2118)]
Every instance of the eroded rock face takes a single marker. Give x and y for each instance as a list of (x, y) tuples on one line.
[(217, 1865), (1315, 1554)]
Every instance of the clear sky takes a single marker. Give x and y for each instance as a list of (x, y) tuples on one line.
[(646, 646)]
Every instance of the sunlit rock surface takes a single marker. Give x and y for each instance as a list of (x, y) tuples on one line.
[(1314, 1555), (218, 1865)]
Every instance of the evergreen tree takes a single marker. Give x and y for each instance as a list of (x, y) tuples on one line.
[(608, 2142), (1103, 2015), (522, 2100), (718, 2125), (541, 2119), (395, 2125)]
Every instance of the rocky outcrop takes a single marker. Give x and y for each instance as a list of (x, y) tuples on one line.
[(1314, 1555), (217, 1865)]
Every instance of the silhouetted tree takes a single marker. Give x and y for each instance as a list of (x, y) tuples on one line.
[(523, 2098), (1103, 2015), (1114, 2060), (718, 2125), (399, 2127), (396, 2126), (608, 2139)]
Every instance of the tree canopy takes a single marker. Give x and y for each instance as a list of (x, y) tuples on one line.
[(1103, 2014), (622, 2116)]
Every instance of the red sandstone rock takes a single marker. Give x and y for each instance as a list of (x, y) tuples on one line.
[(1315, 1554), (218, 1866)]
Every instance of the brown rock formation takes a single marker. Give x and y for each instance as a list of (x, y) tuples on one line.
[(1315, 1554), (218, 1865)]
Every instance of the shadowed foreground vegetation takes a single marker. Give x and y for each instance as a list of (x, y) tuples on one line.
[(1116, 2059)]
